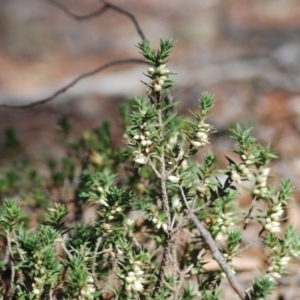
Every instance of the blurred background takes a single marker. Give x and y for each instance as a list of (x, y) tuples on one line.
[(247, 53)]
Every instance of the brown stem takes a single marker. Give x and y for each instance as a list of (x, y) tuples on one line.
[(214, 250), (12, 267), (162, 265)]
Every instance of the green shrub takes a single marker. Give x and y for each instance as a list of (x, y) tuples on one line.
[(147, 196)]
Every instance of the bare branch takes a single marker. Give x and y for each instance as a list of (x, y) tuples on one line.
[(152, 166), (73, 82), (214, 249), (100, 11)]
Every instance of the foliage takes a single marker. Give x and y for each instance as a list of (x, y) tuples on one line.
[(146, 197)]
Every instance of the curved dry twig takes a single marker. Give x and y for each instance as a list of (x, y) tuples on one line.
[(73, 82), (100, 11)]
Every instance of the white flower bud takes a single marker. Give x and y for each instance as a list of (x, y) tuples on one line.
[(147, 133), (275, 275), (256, 192), (242, 167), (148, 142), (144, 143), (157, 87), (268, 226), (129, 222), (275, 230), (196, 144), (265, 171), (248, 162), (129, 279), (90, 279), (136, 137), (36, 291), (201, 135), (277, 207), (246, 171), (91, 289), (164, 72), (154, 220), (160, 68), (160, 82), (243, 157), (285, 258), (137, 286), (141, 159), (173, 179), (142, 137), (165, 227), (150, 71), (260, 179), (131, 274)]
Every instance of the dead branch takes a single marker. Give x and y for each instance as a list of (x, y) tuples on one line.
[(73, 82), (100, 11)]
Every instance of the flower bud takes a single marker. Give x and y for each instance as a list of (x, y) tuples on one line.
[(157, 87), (196, 143), (150, 71), (173, 179)]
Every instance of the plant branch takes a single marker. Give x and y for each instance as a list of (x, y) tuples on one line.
[(247, 217), (153, 168), (99, 12), (73, 82), (214, 249), (12, 267), (162, 266)]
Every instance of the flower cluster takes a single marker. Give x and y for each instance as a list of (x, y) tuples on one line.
[(134, 279), (159, 224), (140, 158), (200, 138), (235, 176), (159, 76), (143, 138), (261, 181), (202, 188), (272, 221), (277, 266), (222, 225), (144, 142), (88, 290)]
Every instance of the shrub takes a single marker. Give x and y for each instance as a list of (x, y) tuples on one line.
[(160, 216)]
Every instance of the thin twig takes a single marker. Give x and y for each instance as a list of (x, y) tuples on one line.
[(214, 250), (166, 207), (63, 245), (99, 240), (152, 166), (162, 266), (18, 246), (247, 217), (12, 267), (100, 11), (73, 82)]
